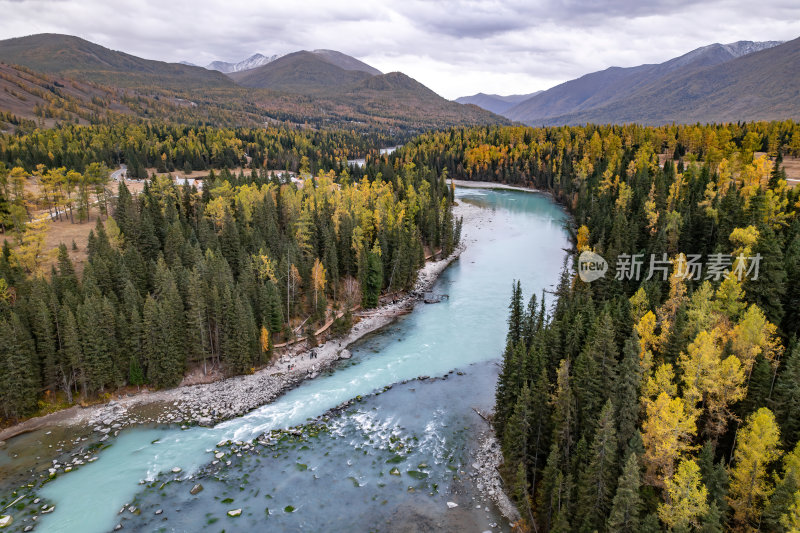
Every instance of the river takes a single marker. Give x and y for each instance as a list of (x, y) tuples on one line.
[(362, 161), (390, 460)]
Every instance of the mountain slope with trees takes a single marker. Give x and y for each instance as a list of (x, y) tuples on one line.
[(77, 58), (323, 88)]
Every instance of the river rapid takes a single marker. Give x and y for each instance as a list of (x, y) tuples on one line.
[(381, 443)]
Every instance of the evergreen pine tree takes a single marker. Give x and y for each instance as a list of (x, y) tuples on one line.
[(597, 482), (787, 397), (19, 383), (627, 505)]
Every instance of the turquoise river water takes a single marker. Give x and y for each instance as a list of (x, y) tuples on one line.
[(388, 461)]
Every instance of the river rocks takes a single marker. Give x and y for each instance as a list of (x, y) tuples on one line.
[(28, 528), (234, 512), (488, 479), (159, 511), (6, 520), (452, 505), (345, 354), (176, 469), (196, 489), (394, 471), (2, 443), (117, 527)]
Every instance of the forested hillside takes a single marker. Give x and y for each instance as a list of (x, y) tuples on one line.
[(55, 79), (179, 278), (668, 403), (168, 147)]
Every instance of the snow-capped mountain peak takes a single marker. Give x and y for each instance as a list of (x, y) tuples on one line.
[(742, 48), (254, 61)]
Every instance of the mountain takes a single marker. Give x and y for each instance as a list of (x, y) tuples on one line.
[(317, 89), (300, 72), (345, 61), (254, 61), (77, 58), (494, 102), (763, 85), (615, 85), (395, 95)]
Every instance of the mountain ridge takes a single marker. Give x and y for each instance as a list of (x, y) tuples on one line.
[(323, 88), (604, 88), (254, 61), (758, 86), (71, 56), (496, 103)]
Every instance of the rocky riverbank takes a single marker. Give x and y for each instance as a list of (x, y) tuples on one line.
[(489, 458), (209, 403)]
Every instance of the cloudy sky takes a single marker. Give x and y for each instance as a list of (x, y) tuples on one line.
[(456, 47)]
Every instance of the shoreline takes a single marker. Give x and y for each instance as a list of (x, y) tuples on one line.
[(494, 185), (210, 403)]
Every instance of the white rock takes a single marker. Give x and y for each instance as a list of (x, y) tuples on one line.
[(176, 469), (452, 505), (234, 512), (6, 520)]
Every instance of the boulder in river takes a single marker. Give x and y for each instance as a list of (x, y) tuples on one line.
[(451, 505), (196, 489), (234, 512), (345, 354), (6, 520)]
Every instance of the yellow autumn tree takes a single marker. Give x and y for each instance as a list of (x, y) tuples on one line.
[(791, 519), (756, 448), (711, 381), (667, 433), (729, 298), (650, 211), (318, 279), (649, 341), (264, 340), (582, 238), (686, 497), (30, 254), (754, 335), (265, 266), (5, 291), (217, 209)]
